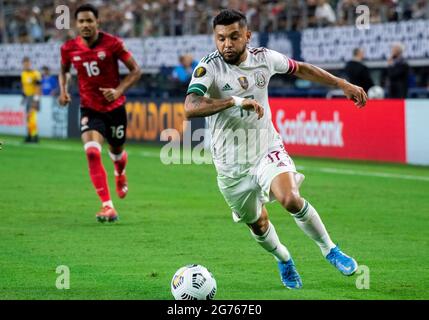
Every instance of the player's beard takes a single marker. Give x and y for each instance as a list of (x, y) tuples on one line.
[(235, 58), (88, 35)]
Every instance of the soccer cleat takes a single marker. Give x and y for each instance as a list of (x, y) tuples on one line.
[(345, 264), (107, 214), (289, 275), (121, 185)]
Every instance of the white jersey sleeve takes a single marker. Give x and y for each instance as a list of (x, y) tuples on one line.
[(279, 63), (202, 79)]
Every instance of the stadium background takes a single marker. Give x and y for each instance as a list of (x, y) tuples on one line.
[(158, 33)]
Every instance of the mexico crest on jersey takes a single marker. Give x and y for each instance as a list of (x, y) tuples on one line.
[(260, 79), (101, 55), (243, 82)]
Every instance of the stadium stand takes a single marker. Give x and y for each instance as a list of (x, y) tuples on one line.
[(159, 32)]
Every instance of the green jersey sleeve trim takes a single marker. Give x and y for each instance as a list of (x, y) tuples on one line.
[(197, 88)]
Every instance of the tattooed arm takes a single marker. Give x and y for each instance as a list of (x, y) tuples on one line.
[(200, 106)]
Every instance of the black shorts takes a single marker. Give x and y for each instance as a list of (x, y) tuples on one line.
[(111, 125)]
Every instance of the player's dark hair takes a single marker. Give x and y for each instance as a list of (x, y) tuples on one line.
[(229, 16), (26, 59), (86, 7), (356, 51)]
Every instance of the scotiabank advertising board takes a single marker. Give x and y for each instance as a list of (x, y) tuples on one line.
[(337, 129)]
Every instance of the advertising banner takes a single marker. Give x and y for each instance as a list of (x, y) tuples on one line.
[(147, 119), (51, 119), (12, 115), (337, 129)]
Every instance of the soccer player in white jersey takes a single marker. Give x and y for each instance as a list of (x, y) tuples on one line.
[(229, 87)]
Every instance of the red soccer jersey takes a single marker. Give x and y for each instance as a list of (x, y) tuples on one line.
[(97, 67)]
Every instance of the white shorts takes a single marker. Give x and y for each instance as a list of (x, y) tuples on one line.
[(246, 195)]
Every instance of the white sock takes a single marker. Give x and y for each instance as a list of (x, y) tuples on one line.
[(116, 157), (108, 204), (270, 242), (309, 221)]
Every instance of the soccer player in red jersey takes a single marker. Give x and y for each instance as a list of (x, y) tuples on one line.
[(95, 54)]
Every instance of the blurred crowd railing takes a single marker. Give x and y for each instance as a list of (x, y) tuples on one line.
[(30, 21)]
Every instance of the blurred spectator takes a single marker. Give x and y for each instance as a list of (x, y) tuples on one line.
[(397, 73), (356, 72), (393, 12), (311, 13), (420, 9), (34, 21), (183, 72), (30, 80), (346, 12), (49, 83), (34, 27), (324, 14)]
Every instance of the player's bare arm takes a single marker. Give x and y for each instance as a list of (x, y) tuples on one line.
[(199, 106), (63, 79), (315, 74), (111, 94)]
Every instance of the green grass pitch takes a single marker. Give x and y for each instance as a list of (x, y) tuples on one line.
[(174, 215)]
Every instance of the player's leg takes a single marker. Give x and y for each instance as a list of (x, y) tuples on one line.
[(265, 234), (117, 133), (120, 158), (93, 141), (32, 125), (243, 197), (285, 190), (31, 115)]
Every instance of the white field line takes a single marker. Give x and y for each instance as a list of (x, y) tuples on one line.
[(365, 173), (149, 154)]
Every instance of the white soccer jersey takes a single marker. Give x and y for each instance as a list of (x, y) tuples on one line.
[(238, 139)]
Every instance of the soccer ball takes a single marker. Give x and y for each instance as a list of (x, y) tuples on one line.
[(193, 282), (376, 92)]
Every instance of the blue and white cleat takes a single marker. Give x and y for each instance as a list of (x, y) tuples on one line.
[(345, 264), (289, 275)]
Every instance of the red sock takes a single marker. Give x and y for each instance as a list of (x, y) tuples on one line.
[(97, 172), (119, 161)]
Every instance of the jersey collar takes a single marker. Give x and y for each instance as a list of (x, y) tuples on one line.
[(246, 61), (97, 42)]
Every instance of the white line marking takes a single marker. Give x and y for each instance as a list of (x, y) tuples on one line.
[(365, 174), (150, 154)]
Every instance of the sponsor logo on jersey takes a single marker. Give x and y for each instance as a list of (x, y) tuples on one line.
[(226, 87), (281, 164), (76, 58), (260, 79), (101, 55), (243, 82), (200, 72)]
